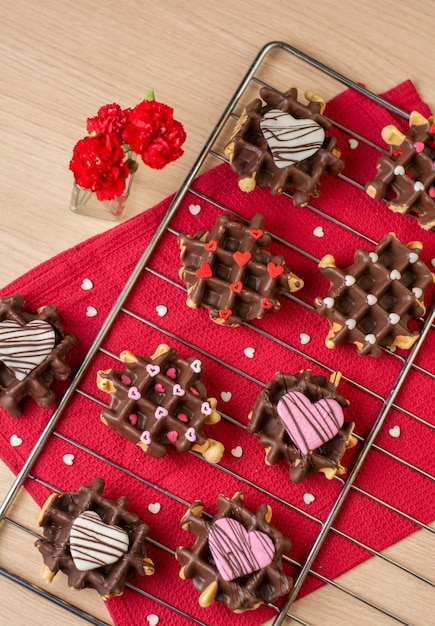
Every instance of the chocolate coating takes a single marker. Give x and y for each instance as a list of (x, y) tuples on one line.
[(243, 593), (270, 149), (60, 515), (275, 438), (32, 353)]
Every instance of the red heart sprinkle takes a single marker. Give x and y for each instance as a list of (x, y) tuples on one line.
[(397, 151), (432, 129), (171, 372), (241, 258), (266, 304), (183, 417), (225, 314), (211, 245), (126, 380), (409, 174), (132, 418), (237, 286), (204, 271), (256, 233), (274, 270), (194, 391)]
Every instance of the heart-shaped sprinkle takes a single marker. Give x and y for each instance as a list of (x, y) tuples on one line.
[(349, 280), (204, 270), (432, 262), (373, 256), (319, 232), (371, 299), (241, 258), (206, 408), (308, 498), (328, 302), (190, 435), (350, 323), (154, 507), (15, 441), (177, 390), (159, 388), (94, 544), (183, 417), (225, 314), (249, 352), (418, 292), (353, 143), (196, 366), (134, 393), (304, 338), (237, 552), (393, 318), (237, 286), (309, 424), (266, 304), (211, 246), (431, 191), (419, 146), (172, 435), (91, 311), (395, 275), (256, 233), (371, 339), (126, 380), (22, 348), (132, 418), (161, 310), (171, 372), (399, 170), (418, 186), (194, 209), (397, 152), (152, 619), (152, 370), (274, 270), (160, 412), (290, 140), (87, 284), (146, 437), (226, 396), (68, 459), (237, 452), (194, 391), (395, 431), (413, 257)]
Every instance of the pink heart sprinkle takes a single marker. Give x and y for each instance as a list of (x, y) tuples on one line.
[(206, 408), (190, 435), (152, 370), (183, 417), (171, 372), (419, 146), (132, 418), (159, 388), (432, 192), (126, 380), (160, 412), (146, 437), (194, 391), (134, 393), (172, 436)]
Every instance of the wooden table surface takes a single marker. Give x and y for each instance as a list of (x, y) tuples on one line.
[(62, 60)]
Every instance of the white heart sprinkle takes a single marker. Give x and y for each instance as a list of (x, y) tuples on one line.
[(328, 302), (353, 143), (154, 507), (413, 257), (395, 431), (91, 311), (87, 284), (391, 348), (194, 209), (371, 299), (237, 452), (399, 170), (15, 441), (393, 318), (152, 619), (304, 338), (226, 396), (418, 186), (349, 280), (350, 324), (417, 292), (395, 275), (308, 498), (370, 339), (161, 310), (318, 231), (249, 352), (68, 459), (373, 257)]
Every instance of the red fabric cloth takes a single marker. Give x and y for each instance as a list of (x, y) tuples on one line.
[(108, 259)]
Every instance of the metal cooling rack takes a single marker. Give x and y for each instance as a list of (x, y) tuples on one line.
[(263, 71)]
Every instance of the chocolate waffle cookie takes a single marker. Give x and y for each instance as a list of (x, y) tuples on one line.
[(237, 555), (160, 401), (32, 353), (300, 418), (226, 271), (282, 144), (371, 302), (406, 178), (96, 542)]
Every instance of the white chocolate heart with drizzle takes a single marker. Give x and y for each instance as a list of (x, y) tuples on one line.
[(22, 348), (290, 140), (95, 544)]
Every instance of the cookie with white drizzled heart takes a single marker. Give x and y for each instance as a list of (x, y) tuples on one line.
[(237, 555), (33, 348), (300, 418), (95, 541), (282, 144), (160, 401)]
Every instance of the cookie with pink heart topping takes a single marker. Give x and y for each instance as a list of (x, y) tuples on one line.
[(237, 555), (300, 418)]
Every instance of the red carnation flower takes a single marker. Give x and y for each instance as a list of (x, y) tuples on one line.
[(152, 132), (109, 119), (98, 165)]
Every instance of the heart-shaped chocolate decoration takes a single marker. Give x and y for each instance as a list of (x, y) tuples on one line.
[(290, 140), (309, 424), (95, 544), (236, 551), (22, 348)]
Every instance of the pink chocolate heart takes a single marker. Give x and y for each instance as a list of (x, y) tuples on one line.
[(309, 424), (236, 551)]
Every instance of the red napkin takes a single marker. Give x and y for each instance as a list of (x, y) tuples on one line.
[(160, 490)]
